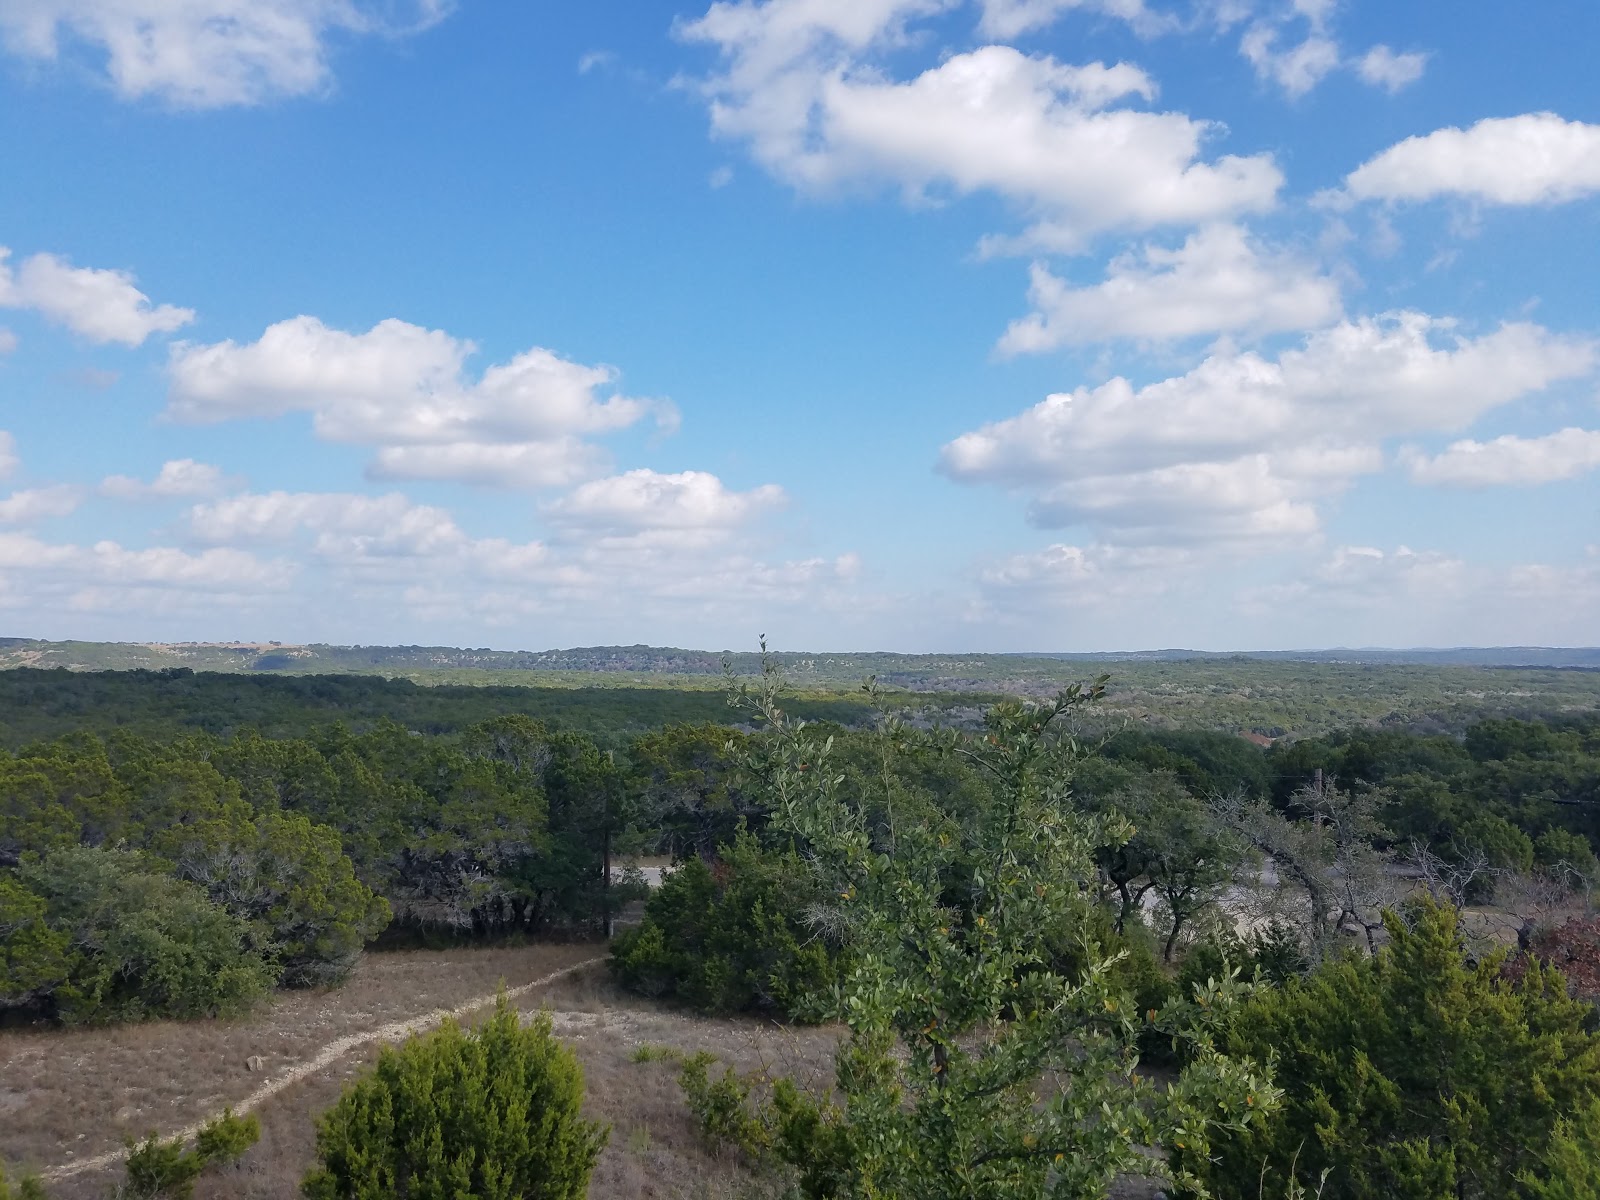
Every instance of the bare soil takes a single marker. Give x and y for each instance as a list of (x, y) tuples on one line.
[(67, 1097)]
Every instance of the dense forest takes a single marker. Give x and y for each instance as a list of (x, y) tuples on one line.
[(1271, 698), (172, 702), (183, 791), (961, 896), (1009, 923), (1348, 821)]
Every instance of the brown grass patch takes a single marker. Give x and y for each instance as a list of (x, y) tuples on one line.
[(72, 1095), (656, 1149), (69, 1096)]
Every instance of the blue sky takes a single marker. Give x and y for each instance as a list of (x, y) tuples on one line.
[(902, 324)]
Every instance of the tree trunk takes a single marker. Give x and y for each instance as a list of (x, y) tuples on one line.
[(1127, 904)]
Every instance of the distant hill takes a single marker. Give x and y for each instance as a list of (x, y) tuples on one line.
[(614, 688), (654, 664), (1587, 657)]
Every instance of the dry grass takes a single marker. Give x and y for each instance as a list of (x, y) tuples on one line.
[(69, 1096), (655, 1149)]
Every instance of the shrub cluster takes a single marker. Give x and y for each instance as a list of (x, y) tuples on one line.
[(145, 883), (1416, 1074), (143, 879), (729, 938), (1005, 975), (166, 1170), (98, 935), (492, 1115)]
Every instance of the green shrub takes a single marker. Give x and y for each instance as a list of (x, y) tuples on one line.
[(166, 1170), (1502, 845), (492, 1115), (722, 1106), (292, 880), (1572, 1166), (650, 1052), (34, 958), (1088, 940), (1272, 954), (1559, 847), (978, 1062), (1139, 973), (139, 944), (27, 1187), (1412, 1075), (730, 939)]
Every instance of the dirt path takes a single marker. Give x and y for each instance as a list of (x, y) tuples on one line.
[(331, 1053)]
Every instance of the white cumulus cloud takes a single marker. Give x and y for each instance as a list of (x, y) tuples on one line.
[(1367, 576), (1508, 460), (615, 587), (205, 53), (1082, 592), (1239, 448), (1382, 67), (33, 505), (553, 462), (377, 547), (1246, 501), (800, 84), (1075, 578), (1056, 570), (637, 546), (347, 524), (43, 577), (405, 391), (1216, 282), (1297, 62), (645, 499), (1011, 18), (1410, 597), (8, 454), (1537, 158), (8, 341), (1296, 68), (179, 477), (766, 36), (101, 305)]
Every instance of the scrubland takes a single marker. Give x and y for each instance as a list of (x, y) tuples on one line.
[(69, 1097)]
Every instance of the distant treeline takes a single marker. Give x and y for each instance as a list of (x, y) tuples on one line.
[(1272, 698), (36, 704), (643, 660)]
